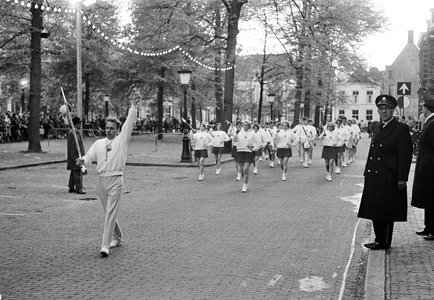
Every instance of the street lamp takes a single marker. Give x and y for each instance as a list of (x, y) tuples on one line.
[(106, 105), (271, 98), (185, 76), (79, 20)]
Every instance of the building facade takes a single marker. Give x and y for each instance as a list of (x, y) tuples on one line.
[(356, 100), (426, 58), (404, 70)]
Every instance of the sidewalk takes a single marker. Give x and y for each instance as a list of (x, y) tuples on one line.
[(406, 271), (143, 150)]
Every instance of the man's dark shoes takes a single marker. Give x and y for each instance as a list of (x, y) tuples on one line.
[(429, 238), (81, 192), (72, 191), (423, 232), (376, 246)]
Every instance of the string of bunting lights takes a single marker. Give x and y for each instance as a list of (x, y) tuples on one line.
[(113, 41)]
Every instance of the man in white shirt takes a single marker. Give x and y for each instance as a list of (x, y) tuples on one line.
[(111, 156)]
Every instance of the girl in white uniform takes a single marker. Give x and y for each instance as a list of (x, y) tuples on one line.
[(248, 142), (258, 153), (285, 139), (330, 148), (201, 140), (232, 132), (219, 137)]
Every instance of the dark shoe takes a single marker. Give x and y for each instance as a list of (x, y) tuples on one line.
[(81, 192), (377, 246), (429, 238), (423, 232), (104, 252), (72, 191)]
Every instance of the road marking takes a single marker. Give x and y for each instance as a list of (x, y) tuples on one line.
[(275, 279), (4, 196), (312, 284), (18, 215), (355, 200), (353, 246)]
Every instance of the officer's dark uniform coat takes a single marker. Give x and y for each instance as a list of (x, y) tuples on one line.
[(423, 185), (388, 162)]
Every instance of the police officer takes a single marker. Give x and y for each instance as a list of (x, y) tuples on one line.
[(384, 198), (424, 176)]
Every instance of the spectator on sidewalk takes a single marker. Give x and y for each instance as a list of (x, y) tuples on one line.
[(384, 198), (110, 155), (75, 177), (424, 176)]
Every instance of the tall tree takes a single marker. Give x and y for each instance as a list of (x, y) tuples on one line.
[(233, 8)]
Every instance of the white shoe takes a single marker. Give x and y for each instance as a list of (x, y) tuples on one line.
[(239, 177), (217, 171), (260, 158), (278, 162), (338, 170), (344, 164), (310, 162), (104, 252), (300, 160), (284, 177), (305, 165), (244, 188), (115, 243), (330, 178), (255, 171), (271, 164), (201, 177)]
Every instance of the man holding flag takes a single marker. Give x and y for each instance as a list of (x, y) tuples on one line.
[(110, 154)]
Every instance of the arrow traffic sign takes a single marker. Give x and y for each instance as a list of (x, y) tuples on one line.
[(404, 88)]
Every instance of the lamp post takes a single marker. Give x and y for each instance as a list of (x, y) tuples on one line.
[(184, 76), (106, 105), (23, 84), (271, 98), (79, 20)]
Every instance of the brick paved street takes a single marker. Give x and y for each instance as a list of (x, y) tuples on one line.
[(184, 239)]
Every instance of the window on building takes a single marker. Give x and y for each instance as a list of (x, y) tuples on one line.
[(390, 74), (356, 96), (392, 90), (342, 112), (355, 114), (369, 115), (369, 95)]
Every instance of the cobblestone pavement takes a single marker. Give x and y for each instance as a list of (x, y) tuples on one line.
[(198, 240)]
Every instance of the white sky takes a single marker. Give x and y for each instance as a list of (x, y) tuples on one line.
[(379, 50), (404, 15)]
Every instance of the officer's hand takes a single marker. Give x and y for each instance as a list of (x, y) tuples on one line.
[(402, 185)]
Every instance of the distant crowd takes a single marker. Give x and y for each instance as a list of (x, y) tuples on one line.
[(14, 126)]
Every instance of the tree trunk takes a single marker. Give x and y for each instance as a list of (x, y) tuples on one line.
[(193, 112), (261, 93), (35, 80), (218, 73), (160, 100), (234, 10)]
